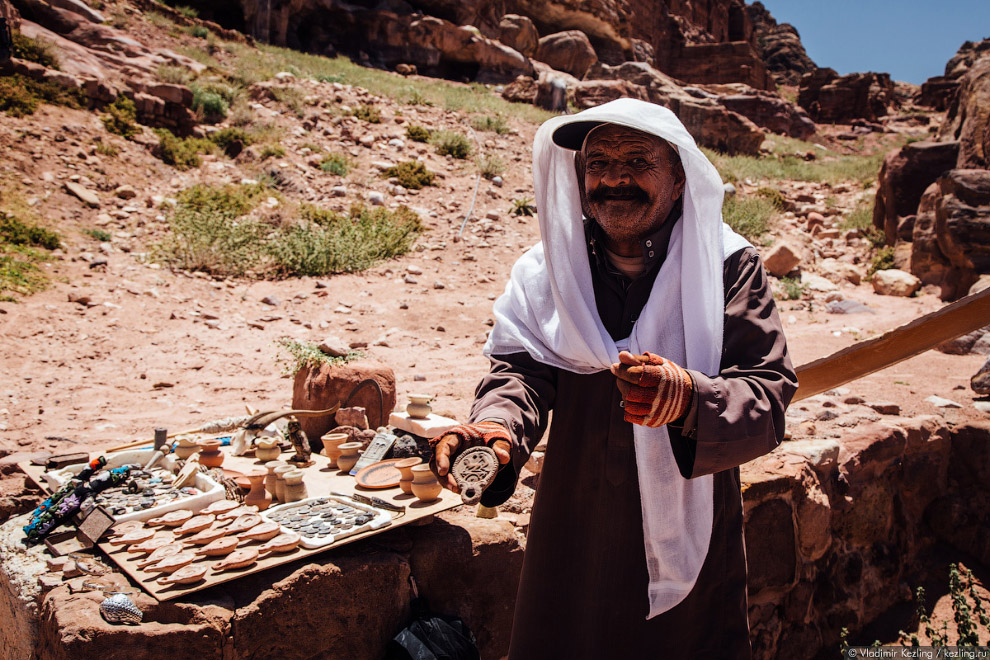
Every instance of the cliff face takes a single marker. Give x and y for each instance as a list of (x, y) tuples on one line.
[(780, 46)]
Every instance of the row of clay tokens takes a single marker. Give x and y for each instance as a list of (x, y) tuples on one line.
[(284, 482)]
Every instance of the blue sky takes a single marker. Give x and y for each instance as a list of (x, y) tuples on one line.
[(909, 39)]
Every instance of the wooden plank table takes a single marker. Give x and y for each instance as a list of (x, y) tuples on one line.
[(320, 480)]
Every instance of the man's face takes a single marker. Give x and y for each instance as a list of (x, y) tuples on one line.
[(631, 180)]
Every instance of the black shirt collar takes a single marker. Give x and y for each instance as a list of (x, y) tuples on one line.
[(654, 246)]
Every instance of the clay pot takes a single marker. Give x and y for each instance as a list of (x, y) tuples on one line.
[(185, 447), (349, 455), (280, 480), (405, 467), (267, 449), (258, 496), (331, 446), (424, 484), (419, 406), (210, 455), (295, 489), (270, 478)]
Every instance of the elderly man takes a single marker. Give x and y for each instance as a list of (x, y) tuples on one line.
[(648, 327)]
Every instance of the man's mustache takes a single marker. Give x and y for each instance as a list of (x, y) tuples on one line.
[(606, 193)]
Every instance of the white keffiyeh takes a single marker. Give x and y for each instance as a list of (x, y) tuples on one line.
[(548, 310)]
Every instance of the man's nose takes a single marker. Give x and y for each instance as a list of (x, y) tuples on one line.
[(616, 174)]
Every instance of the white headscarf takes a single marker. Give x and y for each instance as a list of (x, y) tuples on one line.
[(548, 310)]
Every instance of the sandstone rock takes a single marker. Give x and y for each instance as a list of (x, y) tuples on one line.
[(715, 63), (980, 382), (895, 282), (840, 271), (591, 93), (171, 93), (814, 282), (781, 260), (780, 46), (355, 416), (769, 111), (81, 8), (125, 192), (830, 98), (518, 32), (322, 387), (904, 176), (568, 51), (885, 407), (961, 345), (87, 196), (969, 117)]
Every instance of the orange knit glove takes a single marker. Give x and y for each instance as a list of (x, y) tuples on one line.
[(485, 434), (655, 391)]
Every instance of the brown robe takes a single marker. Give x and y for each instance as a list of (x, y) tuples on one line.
[(583, 589)]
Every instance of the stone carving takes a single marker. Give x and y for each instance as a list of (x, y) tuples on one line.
[(474, 470)]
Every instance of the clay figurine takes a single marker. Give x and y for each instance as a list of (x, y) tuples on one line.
[(474, 470), (126, 527), (239, 511), (281, 543), (173, 563), (300, 443), (237, 559), (185, 575), (208, 535), (150, 545), (243, 523), (196, 524), (220, 506), (131, 538), (220, 547), (172, 518), (160, 554), (262, 532)]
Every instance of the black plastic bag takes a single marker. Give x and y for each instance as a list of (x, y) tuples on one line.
[(432, 636)]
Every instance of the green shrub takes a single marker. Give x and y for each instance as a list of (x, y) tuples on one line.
[(188, 12), (303, 354), (368, 113), (14, 231), (451, 143), (231, 140), (22, 247), (417, 133), (490, 165), (272, 151), (101, 235), (336, 163), (860, 217), (181, 153), (121, 117), (495, 124), (749, 216), (210, 103), (773, 196), (107, 149), (344, 244), (291, 97), (411, 174), (523, 207), (883, 259), (34, 50), (793, 289), (197, 31), (176, 75), (209, 234), (20, 95)]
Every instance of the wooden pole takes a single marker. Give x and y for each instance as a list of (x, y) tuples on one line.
[(861, 359)]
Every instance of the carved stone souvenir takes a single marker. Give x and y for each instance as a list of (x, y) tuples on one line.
[(220, 506), (237, 559), (295, 489), (185, 575), (118, 608), (208, 535), (375, 452), (196, 524), (262, 532), (150, 545), (281, 543), (474, 470), (300, 443), (243, 523), (220, 547), (172, 563), (172, 518), (137, 536), (159, 554)]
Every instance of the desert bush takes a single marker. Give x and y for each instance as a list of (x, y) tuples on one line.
[(451, 143), (188, 12), (272, 151), (159, 20), (336, 163), (107, 149), (490, 165), (773, 196), (14, 231), (121, 117), (34, 50), (492, 123), (303, 354), (20, 96), (231, 140), (181, 153), (368, 113), (417, 133), (749, 216), (882, 259), (411, 174), (792, 288), (240, 114), (197, 31), (523, 207), (97, 234), (212, 99), (22, 247), (344, 244), (176, 75), (291, 97)]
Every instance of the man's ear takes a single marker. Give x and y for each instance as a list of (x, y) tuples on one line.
[(679, 180), (579, 163)]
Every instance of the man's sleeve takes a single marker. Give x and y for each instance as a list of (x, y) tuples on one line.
[(518, 392), (738, 414)]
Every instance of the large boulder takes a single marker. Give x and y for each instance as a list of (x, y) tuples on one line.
[(568, 51), (780, 45), (733, 62), (894, 282), (969, 117), (767, 110), (834, 99), (590, 93), (904, 176), (951, 245), (518, 32), (366, 384)]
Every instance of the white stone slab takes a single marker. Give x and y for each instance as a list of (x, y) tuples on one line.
[(429, 427)]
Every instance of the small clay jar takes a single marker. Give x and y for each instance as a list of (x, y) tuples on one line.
[(331, 446), (280, 480), (270, 478), (185, 447), (424, 484), (210, 455), (295, 489), (257, 496), (405, 467), (349, 455), (267, 449), (419, 406)]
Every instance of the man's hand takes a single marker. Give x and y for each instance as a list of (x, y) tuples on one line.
[(485, 434), (655, 391)]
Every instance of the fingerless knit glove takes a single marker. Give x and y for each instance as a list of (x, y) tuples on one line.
[(472, 435), (659, 392)]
